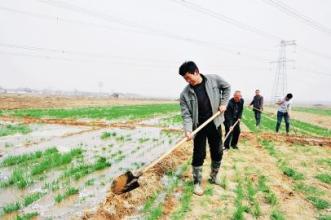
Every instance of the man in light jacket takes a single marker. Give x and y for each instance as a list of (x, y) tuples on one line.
[(284, 112), (201, 98)]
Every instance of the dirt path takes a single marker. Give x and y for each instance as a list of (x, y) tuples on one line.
[(250, 161)]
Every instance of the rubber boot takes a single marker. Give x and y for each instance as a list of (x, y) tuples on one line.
[(197, 178), (214, 172)]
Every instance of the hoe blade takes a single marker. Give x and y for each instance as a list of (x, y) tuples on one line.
[(125, 183)]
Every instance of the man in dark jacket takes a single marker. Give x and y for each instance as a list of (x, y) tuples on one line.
[(257, 104), (201, 98), (233, 113)]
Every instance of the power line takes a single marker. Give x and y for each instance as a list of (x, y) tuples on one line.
[(314, 71), (75, 59), (223, 18), (147, 29), (75, 53), (299, 16), (94, 56), (133, 27), (85, 61), (64, 53), (91, 24), (315, 53), (239, 24), (131, 24), (153, 67), (84, 23), (47, 57), (59, 19), (214, 45), (125, 61)]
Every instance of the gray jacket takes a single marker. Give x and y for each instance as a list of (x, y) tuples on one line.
[(218, 91)]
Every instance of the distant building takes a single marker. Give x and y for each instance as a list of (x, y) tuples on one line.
[(2, 90), (115, 95)]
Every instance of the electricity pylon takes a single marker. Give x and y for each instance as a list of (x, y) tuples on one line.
[(279, 88)]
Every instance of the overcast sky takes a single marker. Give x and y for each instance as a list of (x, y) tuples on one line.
[(137, 46)]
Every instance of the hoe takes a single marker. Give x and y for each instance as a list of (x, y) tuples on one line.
[(128, 182)]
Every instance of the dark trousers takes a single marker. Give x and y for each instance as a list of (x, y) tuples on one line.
[(214, 136), (233, 138), (257, 115), (280, 116)]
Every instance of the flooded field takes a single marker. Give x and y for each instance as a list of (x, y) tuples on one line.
[(56, 171)]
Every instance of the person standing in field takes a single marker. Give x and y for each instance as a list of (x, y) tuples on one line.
[(257, 104), (200, 99), (284, 112), (233, 113)]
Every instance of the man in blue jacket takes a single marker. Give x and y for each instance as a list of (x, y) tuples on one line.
[(201, 98)]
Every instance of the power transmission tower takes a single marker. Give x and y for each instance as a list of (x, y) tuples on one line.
[(100, 85), (279, 88)]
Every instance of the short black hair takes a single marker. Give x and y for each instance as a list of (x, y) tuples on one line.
[(289, 96), (188, 67)]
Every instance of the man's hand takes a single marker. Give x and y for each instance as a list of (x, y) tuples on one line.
[(188, 136), (239, 119), (222, 108), (279, 102)]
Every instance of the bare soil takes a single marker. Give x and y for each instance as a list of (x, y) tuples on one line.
[(19, 101)]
